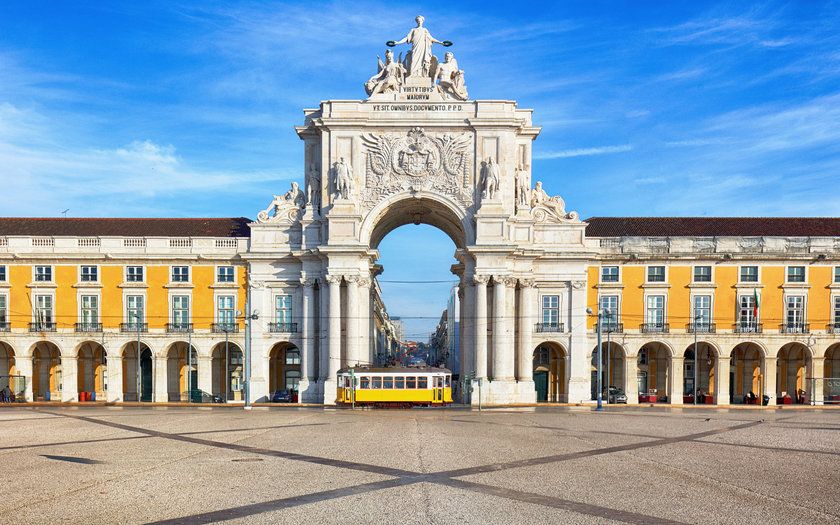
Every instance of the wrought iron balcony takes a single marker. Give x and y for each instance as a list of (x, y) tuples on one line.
[(833, 328), (42, 326), (655, 328), (700, 328), (611, 327), (747, 328), (282, 328), (5, 326), (134, 327), (794, 328), (88, 327), (222, 328), (550, 327), (179, 328)]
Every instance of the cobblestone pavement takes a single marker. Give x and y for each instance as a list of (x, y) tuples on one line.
[(559, 465)]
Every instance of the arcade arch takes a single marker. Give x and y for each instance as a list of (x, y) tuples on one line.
[(181, 371), (7, 360), (705, 364), (793, 362), (831, 371), (550, 372), (227, 371), (654, 372), (746, 373), (613, 371), (91, 376), (283, 367), (46, 372), (138, 372)]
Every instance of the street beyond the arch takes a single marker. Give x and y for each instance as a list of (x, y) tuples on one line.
[(455, 465)]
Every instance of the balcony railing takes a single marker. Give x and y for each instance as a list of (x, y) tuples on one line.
[(747, 328), (42, 326), (5, 326), (655, 328), (222, 328), (550, 327), (833, 328), (794, 328), (134, 327), (282, 328), (179, 328), (700, 328), (88, 327), (612, 328)]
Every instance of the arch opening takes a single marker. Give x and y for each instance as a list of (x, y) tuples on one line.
[(549, 373), (181, 371), (284, 371), (700, 373), (746, 374), (138, 372), (793, 364), (613, 377), (228, 372), (831, 373), (654, 372), (429, 209), (92, 372)]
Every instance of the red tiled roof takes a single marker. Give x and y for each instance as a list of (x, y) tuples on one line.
[(713, 226), (72, 227)]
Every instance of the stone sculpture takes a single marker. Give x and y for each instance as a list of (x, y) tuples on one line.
[(388, 78), (523, 189), (491, 179), (285, 207), (546, 208), (313, 187), (419, 61), (451, 79), (343, 174)]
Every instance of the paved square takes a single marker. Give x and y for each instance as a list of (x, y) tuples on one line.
[(170, 465)]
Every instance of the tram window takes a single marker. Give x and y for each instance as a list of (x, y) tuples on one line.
[(411, 382), (387, 382), (399, 382), (448, 381), (364, 382), (422, 382), (376, 382)]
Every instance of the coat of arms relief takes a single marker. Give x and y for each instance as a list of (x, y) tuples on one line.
[(397, 162)]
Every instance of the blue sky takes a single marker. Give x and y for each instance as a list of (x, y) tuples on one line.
[(648, 108)]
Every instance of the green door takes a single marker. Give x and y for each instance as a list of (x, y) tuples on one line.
[(541, 385), (146, 375)]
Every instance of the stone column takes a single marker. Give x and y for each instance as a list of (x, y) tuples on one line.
[(480, 325), (525, 352), (579, 366), (508, 340), (501, 343), (323, 330), (160, 387), (467, 346), (366, 353), (333, 338), (815, 388), (307, 355), (675, 391), (115, 379), (24, 366), (351, 355), (631, 372), (722, 380), (69, 379), (770, 379), (205, 370)]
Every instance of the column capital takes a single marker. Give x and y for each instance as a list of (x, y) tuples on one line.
[(333, 279), (354, 279), (510, 282), (527, 282), (578, 285), (365, 282), (307, 281), (481, 279)]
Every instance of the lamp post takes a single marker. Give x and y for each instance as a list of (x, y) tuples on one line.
[(599, 395), (249, 316), (137, 368), (608, 313), (696, 360)]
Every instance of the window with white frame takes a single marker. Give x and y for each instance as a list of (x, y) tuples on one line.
[(90, 310), (43, 273), (795, 312), (608, 305), (134, 310), (134, 274), (89, 274), (283, 309), (225, 274), (837, 274), (655, 311), (609, 274), (180, 274), (181, 311), (748, 274), (796, 274), (2, 273), (702, 315), (43, 310), (551, 311), (656, 274), (225, 311), (702, 274), (4, 311), (747, 312), (837, 312)]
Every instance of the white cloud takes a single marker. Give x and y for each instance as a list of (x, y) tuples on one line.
[(584, 152)]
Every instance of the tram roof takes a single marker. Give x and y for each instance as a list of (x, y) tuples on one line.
[(397, 370)]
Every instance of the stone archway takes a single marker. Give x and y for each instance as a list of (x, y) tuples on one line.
[(46, 372), (549, 372), (793, 363), (181, 371), (138, 372), (613, 369), (831, 373), (7, 360), (703, 367), (747, 373), (228, 371), (92, 375), (284, 367), (654, 372)]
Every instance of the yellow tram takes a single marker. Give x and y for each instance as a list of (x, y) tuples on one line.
[(420, 386)]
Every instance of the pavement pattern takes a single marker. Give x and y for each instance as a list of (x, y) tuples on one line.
[(455, 465)]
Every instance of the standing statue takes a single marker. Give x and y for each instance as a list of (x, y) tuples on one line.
[(418, 61), (450, 78), (343, 174), (388, 78), (491, 179), (313, 187), (523, 189)]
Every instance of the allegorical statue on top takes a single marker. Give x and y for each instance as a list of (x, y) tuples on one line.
[(284, 207), (548, 208), (389, 78), (418, 61), (451, 79)]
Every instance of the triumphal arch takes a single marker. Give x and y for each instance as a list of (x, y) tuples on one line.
[(418, 150)]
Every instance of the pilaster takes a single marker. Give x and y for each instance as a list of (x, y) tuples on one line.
[(69, 379), (480, 326), (722, 381), (770, 379), (675, 391), (115, 379), (579, 366), (352, 321), (161, 392), (525, 352)]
